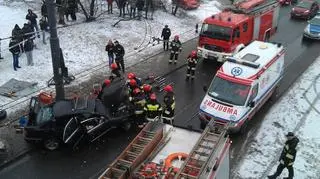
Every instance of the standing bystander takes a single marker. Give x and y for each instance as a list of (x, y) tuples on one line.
[(110, 50), (28, 48), (14, 48), (44, 28), (32, 17), (119, 52), (165, 35)]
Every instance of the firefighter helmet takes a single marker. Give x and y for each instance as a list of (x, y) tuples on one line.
[(136, 91), (131, 76), (133, 82), (147, 88), (114, 66), (176, 37), (193, 53), (153, 96), (107, 82), (168, 88)]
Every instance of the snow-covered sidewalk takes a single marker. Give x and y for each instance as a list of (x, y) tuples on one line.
[(299, 111)]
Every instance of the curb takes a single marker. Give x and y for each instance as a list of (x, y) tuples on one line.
[(15, 158)]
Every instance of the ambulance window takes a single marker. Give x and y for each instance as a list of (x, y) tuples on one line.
[(236, 33), (245, 27), (254, 92)]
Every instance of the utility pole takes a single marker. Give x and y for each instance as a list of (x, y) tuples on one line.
[(55, 50)]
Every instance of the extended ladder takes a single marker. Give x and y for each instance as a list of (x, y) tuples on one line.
[(138, 150), (202, 152)]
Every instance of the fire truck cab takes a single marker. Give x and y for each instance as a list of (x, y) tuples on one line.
[(229, 31), (243, 84)]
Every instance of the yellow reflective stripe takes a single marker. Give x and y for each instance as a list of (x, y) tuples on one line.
[(290, 164), (173, 105), (151, 107), (289, 156)]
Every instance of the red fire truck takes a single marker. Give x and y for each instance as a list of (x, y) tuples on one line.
[(227, 32)]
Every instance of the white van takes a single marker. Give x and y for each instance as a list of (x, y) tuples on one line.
[(243, 84)]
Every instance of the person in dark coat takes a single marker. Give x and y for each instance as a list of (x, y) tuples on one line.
[(71, 10), (28, 48), (17, 34), (149, 4), (44, 28), (287, 157), (122, 7), (44, 11), (14, 48), (140, 5), (32, 17), (165, 35), (133, 7), (110, 50), (110, 2), (27, 31), (119, 52), (175, 5)]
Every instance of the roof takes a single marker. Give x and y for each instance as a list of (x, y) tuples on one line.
[(226, 18), (315, 20), (258, 54), (249, 4)]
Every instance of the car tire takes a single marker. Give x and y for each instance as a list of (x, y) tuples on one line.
[(51, 143), (203, 125), (3, 114), (244, 127), (126, 126)]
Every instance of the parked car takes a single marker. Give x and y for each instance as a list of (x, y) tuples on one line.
[(312, 30), (189, 4), (305, 9), (75, 120)]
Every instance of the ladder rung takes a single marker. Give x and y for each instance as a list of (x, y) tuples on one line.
[(132, 154), (214, 134), (138, 146), (210, 140), (188, 176), (117, 170), (149, 132), (143, 138), (205, 146), (125, 161), (204, 154), (193, 167)]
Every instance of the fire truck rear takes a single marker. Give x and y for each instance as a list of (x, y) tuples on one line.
[(227, 32)]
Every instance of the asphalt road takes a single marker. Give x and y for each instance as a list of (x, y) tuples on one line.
[(90, 160)]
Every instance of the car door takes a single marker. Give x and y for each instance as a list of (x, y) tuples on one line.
[(73, 132)]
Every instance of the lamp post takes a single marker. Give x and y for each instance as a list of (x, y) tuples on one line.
[(55, 50)]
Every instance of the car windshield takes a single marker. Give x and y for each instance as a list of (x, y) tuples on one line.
[(216, 32), (228, 91), (304, 4), (45, 114)]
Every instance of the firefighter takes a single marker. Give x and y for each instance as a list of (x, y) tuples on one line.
[(152, 109), (99, 92), (132, 84), (192, 61), (115, 72), (175, 47), (138, 101), (169, 105), (147, 90), (131, 76), (287, 156)]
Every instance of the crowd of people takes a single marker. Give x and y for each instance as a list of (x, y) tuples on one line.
[(22, 39)]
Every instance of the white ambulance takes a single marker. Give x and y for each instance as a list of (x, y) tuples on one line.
[(243, 84)]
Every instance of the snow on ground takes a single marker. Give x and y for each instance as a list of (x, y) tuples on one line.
[(298, 111), (83, 44)]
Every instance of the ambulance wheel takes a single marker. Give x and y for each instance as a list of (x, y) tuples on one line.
[(244, 127), (3, 114)]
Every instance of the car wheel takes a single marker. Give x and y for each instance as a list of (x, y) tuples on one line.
[(51, 144), (244, 127), (126, 126)]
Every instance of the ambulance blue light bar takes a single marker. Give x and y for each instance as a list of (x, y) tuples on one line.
[(243, 62)]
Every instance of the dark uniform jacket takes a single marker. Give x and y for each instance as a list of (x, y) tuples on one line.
[(152, 109), (175, 45), (192, 61), (32, 17), (169, 103), (166, 33), (289, 152), (109, 49), (28, 45), (119, 52), (27, 31)]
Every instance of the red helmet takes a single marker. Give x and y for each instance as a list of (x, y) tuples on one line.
[(193, 53), (114, 66), (133, 82), (168, 88), (153, 96), (147, 88), (107, 82), (131, 76), (176, 37), (136, 91)]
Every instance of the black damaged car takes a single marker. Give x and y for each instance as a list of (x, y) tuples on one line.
[(83, 118)]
